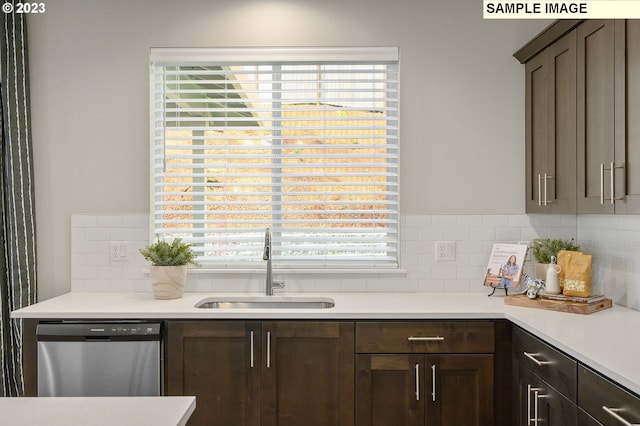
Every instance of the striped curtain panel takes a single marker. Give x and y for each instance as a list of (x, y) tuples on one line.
[(17, 244)]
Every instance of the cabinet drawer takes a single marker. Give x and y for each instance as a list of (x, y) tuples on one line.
[(548, 363), (606, 401), (425, 337)]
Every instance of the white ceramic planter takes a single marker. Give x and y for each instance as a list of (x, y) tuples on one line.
[(541, 270), (168, 282)]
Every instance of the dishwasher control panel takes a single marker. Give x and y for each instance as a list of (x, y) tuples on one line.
[(123, 329), (136, 330)]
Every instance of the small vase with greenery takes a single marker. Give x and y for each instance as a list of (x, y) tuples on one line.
[(544, 248), (169, 264)]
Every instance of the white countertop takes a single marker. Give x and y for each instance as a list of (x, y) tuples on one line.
[(97, 411), (606, 341)]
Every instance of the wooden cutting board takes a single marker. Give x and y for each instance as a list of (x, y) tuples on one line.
[(557, 305)]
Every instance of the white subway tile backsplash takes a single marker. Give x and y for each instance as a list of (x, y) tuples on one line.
[(495, 221), (613, 240), (471, 221)]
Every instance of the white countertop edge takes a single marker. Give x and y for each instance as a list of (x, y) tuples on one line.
[(587, 338), (97, 411)]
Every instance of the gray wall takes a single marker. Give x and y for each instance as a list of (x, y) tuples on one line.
[(462, 98)]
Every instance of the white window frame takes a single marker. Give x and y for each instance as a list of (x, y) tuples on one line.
[(385, 239)]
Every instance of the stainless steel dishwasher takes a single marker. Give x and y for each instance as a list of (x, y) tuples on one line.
[(99, 359)]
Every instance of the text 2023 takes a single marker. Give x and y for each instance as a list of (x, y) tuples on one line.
[(30, 8)]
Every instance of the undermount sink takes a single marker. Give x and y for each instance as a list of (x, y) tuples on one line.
[(266, 302)]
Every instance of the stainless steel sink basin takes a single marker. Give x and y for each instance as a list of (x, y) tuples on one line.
[(266, 302)]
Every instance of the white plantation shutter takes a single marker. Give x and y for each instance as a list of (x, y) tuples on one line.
[(303, 141)]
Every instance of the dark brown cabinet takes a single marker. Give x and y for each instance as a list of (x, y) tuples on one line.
[(596, 114), (424, 372), (604, 402), (217, 362), (541, 404), (550, 84), (608, 114), (263, 373), (544, 383), (583, 117), (308, 373)]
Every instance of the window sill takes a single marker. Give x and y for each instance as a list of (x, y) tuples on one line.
[(388, 272)]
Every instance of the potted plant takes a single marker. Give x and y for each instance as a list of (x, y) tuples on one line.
[(168, 270), (544, 248)]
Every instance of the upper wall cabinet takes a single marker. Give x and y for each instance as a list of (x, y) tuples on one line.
[(551, 128), (608, 114), (583, 126)]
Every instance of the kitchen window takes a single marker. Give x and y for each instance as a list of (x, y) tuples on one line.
[(301, 140)]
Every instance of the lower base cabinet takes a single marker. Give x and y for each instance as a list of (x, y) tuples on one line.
[(417, 390), (603, 402), (540, 404), (270, 373), (416, 373)]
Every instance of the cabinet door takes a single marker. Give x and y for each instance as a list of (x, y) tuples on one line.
[(537, 129), (596, 107), (561, 186), (390, 390), (627, 145), (308, 373), (541, 404), (551, 128), (459, 389), (218, 363)]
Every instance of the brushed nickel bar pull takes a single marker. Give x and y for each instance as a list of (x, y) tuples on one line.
[(546, 199), (528, 405), (417, 382), (535, 405), (535, 408), (537, 361), (539, 190), (268, 349), (425, 339), (613, 183), (252, 349), (433, 382), (618, 417), (601, 183)]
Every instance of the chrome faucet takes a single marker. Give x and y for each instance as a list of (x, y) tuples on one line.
[(270, 284)]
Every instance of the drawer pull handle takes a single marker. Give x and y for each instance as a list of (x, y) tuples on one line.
[(533, 358), (613, 412), (425, 339), (417, 382)]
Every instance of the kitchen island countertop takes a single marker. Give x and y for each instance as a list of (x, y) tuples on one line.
[(606, 341), (97, 411)]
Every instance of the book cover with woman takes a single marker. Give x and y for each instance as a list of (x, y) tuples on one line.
[(505, 266)]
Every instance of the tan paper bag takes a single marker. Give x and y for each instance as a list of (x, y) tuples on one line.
[(577, 276)]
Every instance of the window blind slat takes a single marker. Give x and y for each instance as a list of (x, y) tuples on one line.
[(304, 141)]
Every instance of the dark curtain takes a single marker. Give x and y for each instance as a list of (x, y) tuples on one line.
[(17, 247)]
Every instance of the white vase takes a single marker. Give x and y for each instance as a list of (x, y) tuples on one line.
[(168, 282), (552, 284)]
